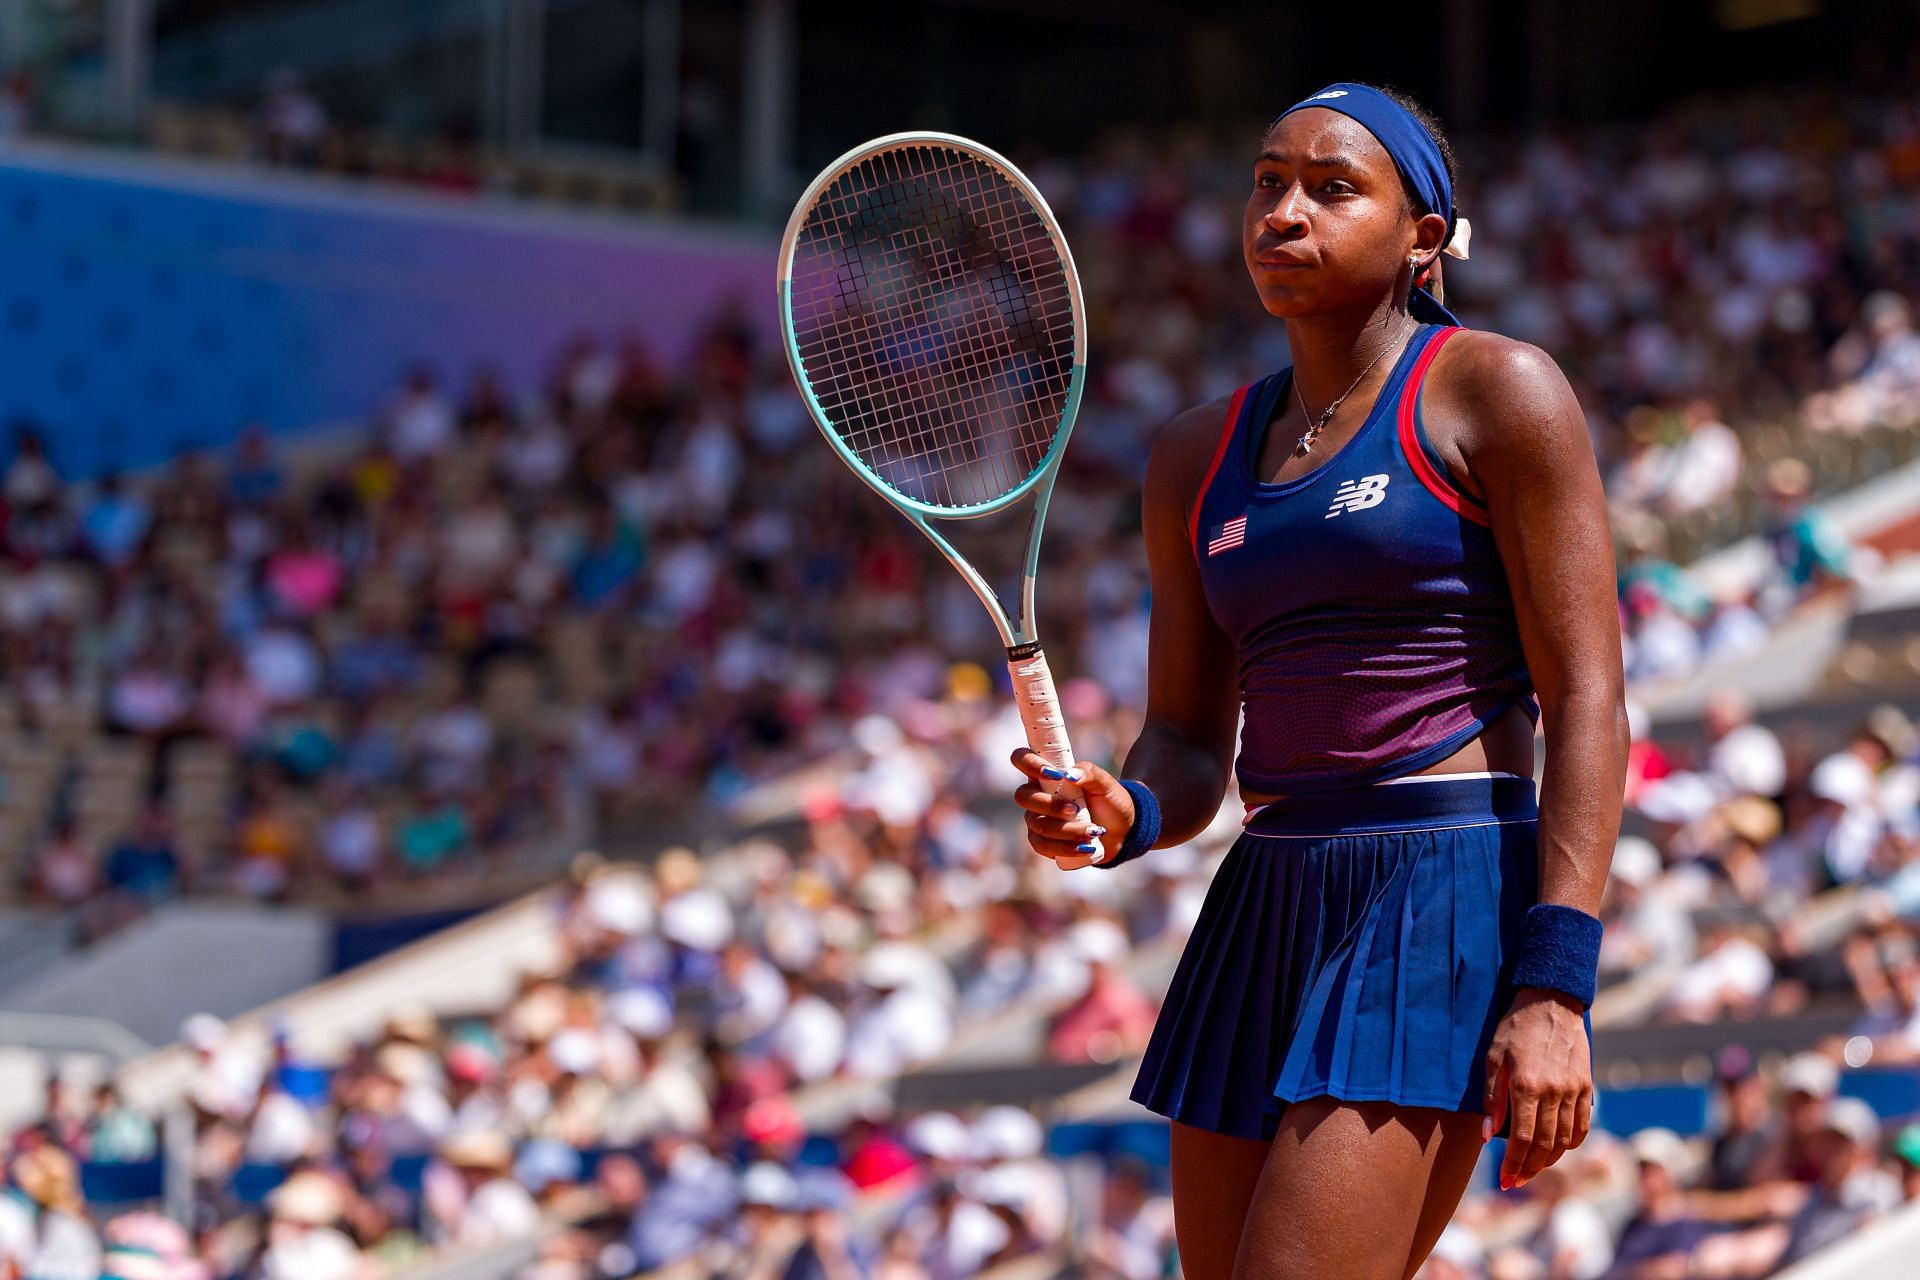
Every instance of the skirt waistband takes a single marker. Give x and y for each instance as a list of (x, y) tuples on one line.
[(1448, 802)]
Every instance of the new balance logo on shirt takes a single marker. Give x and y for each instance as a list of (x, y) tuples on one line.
[(1358, 495), (1352, 495)]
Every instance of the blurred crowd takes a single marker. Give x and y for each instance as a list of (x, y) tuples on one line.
[(700, 1081), (508, 615), (491, 623), (501, 620), (1788, 1166), (1723, 285), (653, 1087), (1733, 836)]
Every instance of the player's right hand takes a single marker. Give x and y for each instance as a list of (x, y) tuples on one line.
[(1072, 832)]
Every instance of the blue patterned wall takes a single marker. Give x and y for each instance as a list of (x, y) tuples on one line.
[(146, 304)]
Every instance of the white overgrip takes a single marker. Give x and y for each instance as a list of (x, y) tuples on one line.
[(1039, 707)]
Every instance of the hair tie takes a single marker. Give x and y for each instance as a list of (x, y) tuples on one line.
[(1462, 233)]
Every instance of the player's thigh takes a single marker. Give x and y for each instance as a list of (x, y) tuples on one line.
[(1355, 1191), (1213, 1179)]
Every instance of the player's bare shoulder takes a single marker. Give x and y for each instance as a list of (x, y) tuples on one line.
[(1477, 362), (1490, 391), (1182, 452)]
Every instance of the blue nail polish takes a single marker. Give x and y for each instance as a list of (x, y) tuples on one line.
[(1072, 808), (1099, 831), (1074, 775), (1087, 848), (1048, 771)]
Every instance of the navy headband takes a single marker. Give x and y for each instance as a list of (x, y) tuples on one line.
[(1416, 154)]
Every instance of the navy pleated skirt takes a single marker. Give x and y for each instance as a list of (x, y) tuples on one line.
[(1355, 944)]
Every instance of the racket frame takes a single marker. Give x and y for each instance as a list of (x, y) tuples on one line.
[(1017, 632)]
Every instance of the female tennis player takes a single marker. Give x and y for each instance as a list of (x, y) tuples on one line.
[(1393, 558)]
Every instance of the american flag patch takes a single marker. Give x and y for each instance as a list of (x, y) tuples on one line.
[(1228, 536)]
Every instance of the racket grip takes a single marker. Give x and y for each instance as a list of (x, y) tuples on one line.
[(1040, 713)]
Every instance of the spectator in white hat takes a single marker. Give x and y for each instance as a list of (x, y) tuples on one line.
[(303, 1238), (904, 1023), (669, 1093), (941, 1140), (1571, 1241), (1806, 1086), (1662, 1233), (1457, 1255), (1846, 824), (1646, 927), (1848, 1191), (699, 920), (470, 1196), (830, 1250), (695, 1194), (748, 996), (616, 902), (1132, 1238), (228, 1074), (1743, 757), (1004, 1190), (810, 1038), (1010, 1137), (1171, 899), (1730, 977), (768, 1231), (1113, 1017), (956, 1236)]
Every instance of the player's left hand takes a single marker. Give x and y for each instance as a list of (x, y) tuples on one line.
[(1068, 831), (1539, 1072)]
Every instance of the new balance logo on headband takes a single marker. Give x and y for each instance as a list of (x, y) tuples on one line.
[(1358, 495), (1331, 93)]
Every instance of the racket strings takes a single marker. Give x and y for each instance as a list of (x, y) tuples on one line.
[(980, 352), (993, 356), (934, 321)]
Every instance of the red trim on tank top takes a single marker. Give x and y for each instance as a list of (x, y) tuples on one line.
[(1437, 484), (1213, 469)]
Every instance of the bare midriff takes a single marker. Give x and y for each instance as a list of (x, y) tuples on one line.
[(1505, 746)]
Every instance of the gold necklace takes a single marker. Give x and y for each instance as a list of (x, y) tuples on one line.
[(1305, 444)]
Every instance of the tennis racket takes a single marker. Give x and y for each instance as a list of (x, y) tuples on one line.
[(933, 320)]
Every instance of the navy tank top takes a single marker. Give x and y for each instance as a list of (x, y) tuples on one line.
[(1374, 624)]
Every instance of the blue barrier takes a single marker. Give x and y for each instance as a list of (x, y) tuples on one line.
[(113, 1184), (356, 940), (1682, 1108), (408, 1172), (820, 1150), (1685, 1108), (1149, 1140), (1894, 1094), (304, 1082), (253, 1183)]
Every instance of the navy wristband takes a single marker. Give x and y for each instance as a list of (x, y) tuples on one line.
[(1560, 951), (1145, 830)]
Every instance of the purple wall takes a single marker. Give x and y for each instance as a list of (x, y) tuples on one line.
[(147, 303)]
